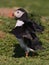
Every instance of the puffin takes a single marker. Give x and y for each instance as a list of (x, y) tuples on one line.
[(25, 32)]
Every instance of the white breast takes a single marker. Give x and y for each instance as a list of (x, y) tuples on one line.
[(19, 23)]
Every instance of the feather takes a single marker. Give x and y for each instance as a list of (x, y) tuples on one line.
[(33, 26), (33, 44), (28, 35)]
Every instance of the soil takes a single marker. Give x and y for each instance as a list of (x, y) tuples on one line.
[(7, 12), (2, 34)]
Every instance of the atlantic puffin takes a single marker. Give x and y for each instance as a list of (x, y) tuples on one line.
[(25, 31)]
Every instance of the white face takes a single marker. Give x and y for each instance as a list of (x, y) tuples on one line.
[(18, 13)]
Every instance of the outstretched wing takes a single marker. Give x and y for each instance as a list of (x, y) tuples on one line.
[(34, 27), (38, 27)]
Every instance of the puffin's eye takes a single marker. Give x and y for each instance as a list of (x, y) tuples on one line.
[(17, 12)]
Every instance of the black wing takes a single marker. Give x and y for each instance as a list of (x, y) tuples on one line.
[(34, 27)]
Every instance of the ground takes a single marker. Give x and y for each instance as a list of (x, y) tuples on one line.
[(10, 51)]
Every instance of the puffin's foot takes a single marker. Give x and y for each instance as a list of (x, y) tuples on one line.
[(26, 54)]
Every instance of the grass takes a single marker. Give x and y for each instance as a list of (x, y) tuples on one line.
[(23, 61), (40, 7), (10, 51), (12, 54)]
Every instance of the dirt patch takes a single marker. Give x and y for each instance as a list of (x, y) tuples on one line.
[(7, 12), (2, 34), (44, 18), (1, 22)]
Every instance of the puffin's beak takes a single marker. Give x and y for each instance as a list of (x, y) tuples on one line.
[(13, 14)]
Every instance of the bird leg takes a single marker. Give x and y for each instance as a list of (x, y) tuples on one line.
[(26, 54)]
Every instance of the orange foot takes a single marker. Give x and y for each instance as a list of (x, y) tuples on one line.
[(26, 54)]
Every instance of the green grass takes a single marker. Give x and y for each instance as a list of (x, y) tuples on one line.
[(22, 61), (40, 7), (10, 51), (12, 54)]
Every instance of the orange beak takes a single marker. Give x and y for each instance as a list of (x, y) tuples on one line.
[(11, 14)]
